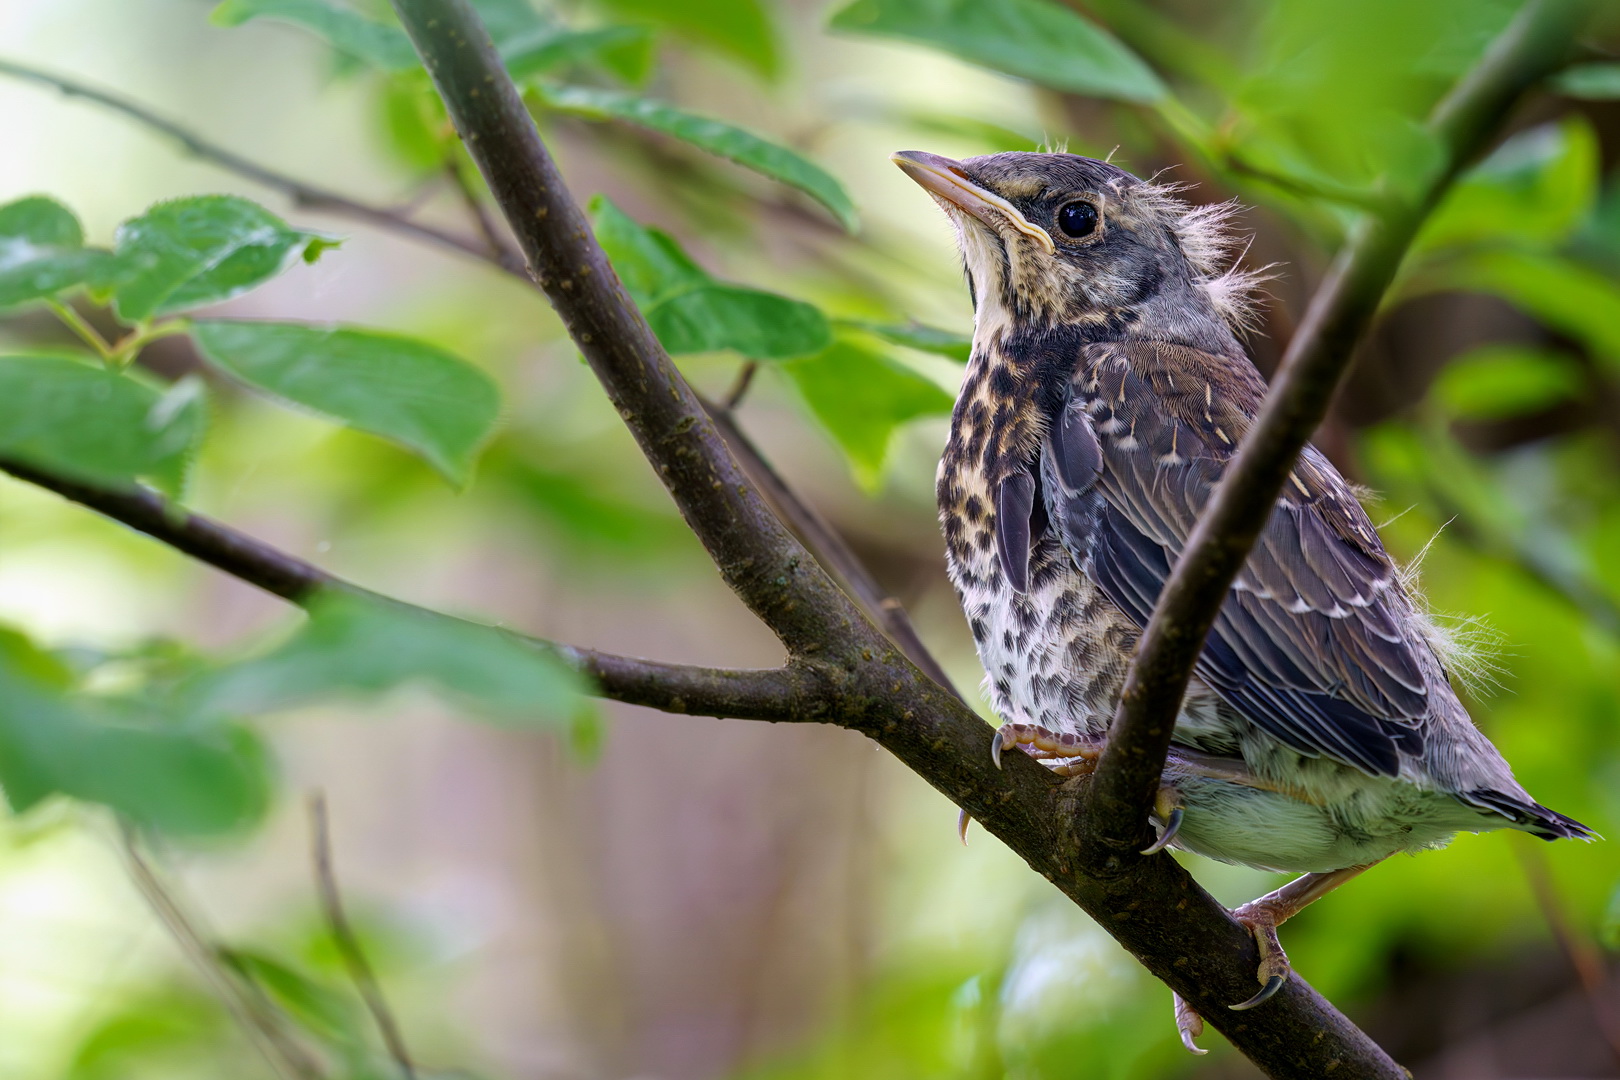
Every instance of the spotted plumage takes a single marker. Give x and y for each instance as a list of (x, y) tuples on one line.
[(1106, 394)]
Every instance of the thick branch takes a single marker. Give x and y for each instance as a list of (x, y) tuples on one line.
[(1533, 46), (305, 195)]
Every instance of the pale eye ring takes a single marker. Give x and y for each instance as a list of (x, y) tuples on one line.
[(1077, 219)]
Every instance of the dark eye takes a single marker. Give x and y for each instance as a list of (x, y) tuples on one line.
[(1077, 219)]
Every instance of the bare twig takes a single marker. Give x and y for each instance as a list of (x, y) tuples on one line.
[(745, 379), (499, 250), (348, 946), (256, 1016), (1464, 123), (306, 195)]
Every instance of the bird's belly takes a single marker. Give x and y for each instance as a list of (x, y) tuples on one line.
[(1054, 656)]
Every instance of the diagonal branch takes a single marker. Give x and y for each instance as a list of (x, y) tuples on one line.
[(1533, 46), (302, 194)]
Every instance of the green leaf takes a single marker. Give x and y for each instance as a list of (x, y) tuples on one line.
[(187, 253), (405, 390), (348, 31), (860, 397), (625, 51), (1536, 188), (358, 645), (328, 1013), (930, 339), (42, 251), (1031, 39), (1561, 293), (192, 779), (96, 425), (692, 312), (1589, 82), (1506, 380), (738, 28), (715, 136)]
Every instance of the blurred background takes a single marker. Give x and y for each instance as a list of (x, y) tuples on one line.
[(698, 898)]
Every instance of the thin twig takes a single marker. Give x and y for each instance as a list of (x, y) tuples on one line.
[(306, 195), (256, 1016), (348, 946), (1465, 122), (1581, 953), (739, 389), (499, 250), (831, 549)]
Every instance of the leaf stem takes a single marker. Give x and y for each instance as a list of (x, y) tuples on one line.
[(84, 331)]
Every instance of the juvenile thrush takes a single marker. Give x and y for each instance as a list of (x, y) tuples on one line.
[(1106, 394)]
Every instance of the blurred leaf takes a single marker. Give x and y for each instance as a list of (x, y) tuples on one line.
[(930, 339), (92, 424), (860, 397), (1563, 294), (192, 779), (625, 51), (42, 251), (187, 253), (344, 28), (1589, 82), (1031, 39), (1535, 188), (692, 312), (405, 390), (1506, 380), (162, 1030), (584, 513), (740, 29), (323, 1011), (414, 121), (357, 645), (1609, 928), (715, 136)]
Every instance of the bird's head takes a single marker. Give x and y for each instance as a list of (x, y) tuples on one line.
[(1059, 238)]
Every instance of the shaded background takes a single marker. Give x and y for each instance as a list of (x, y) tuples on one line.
[(712, 898)]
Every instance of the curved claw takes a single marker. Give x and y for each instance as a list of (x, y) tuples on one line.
[(1269, 991), (996, 743), (962, 823), (1171, 827), (1192, 1047), (1188, 1024)]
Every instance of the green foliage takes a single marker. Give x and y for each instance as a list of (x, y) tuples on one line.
[(1591, 82), (193, 777), (189, 253), (861, 397), (42, 252), (692, 312), (413, 393), (716, 136), (1033, 39), (1505, 380), (740, 29), (354, 645), (97, 425), (347, 30), (915, 335)]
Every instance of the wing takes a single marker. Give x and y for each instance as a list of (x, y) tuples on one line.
[(1313, 643)]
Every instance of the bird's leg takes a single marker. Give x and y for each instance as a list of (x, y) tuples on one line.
[(1075, 755), (1262, 917)]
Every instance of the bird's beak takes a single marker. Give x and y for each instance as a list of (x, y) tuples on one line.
[(947, 181)]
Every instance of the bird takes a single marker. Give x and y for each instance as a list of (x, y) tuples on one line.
[(1107, 393)]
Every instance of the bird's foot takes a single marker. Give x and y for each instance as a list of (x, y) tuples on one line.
[(1068, 754), (1189, 1023), (1167, 807), (1262, 918)]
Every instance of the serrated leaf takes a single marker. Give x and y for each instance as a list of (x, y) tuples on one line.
[(344, 28), (692, 312), (191, 779), (1588, 82), (861, 397), (741, 29), (1506, 380), (96, 425), (405, 390), (354, 645), (42, 252), (1536, 188), (1031, 39), (706, 133), (931, 339), (188, 253)]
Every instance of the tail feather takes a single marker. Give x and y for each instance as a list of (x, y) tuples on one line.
[(1530, 816)]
